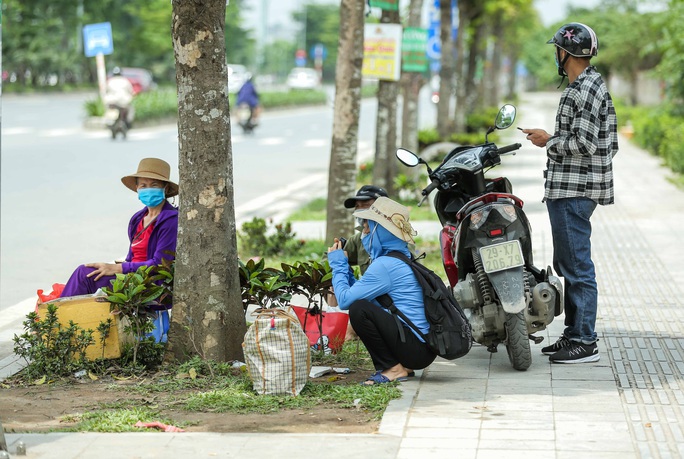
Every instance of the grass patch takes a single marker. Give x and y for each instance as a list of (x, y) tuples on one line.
[(312, 210), (116, 420)]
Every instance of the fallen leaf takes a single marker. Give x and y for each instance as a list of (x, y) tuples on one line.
[(182, 376), (193, 373), (121, 378), (92, 376), (40, 381)]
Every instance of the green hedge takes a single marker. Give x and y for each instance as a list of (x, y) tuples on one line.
[(658, 130), (477, 124), (163, 103)]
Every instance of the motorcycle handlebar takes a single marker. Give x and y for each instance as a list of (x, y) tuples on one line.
[(430, 187), (508, 148)]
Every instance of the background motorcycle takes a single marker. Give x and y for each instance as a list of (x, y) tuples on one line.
[(246, 118), (487, 248), (116, 119)]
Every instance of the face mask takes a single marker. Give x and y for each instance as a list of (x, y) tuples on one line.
[(367, 241), (151, 197)]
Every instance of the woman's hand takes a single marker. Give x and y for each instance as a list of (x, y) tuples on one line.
[(104, 269), (337, 245)]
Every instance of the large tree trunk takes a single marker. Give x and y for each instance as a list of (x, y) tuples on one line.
[(342, 171), (493, 79), (446, 72), (475, 52), (208, 318), (411, 83), (385, 166), (461, 94)]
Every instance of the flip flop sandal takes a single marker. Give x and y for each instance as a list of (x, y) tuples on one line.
[(410, 374), (379, 378)]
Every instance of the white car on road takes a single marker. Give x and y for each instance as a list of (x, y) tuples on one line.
[(303, 78)]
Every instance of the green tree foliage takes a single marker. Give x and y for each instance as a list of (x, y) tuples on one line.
[(320, 24), (627, 41), (240, 45), (42, 39), (671, 67)]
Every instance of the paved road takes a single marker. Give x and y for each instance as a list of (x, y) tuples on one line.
[(628, 405)]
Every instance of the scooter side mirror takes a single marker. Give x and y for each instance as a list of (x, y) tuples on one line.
[(407, 158), (505, 117)]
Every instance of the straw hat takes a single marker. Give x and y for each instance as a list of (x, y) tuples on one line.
[(391, 215), (152, 168)]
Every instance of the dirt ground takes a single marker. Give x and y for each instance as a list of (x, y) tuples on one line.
[(50, 407)]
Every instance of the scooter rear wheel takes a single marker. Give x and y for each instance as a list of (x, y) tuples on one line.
[(518, 343)]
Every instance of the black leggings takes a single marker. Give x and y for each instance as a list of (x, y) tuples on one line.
[(380, 334)]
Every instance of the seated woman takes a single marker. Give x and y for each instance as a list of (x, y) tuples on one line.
[(386, 228), (152, 230)]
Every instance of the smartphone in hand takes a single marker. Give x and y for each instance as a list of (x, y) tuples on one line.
[(343, 242)]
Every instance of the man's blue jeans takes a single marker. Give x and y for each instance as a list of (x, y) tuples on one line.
[(571, 231)]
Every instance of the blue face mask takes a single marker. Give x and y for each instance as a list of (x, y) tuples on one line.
[(151, 197), (367, 239)]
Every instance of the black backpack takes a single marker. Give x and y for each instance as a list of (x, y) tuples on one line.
[(450, 335)]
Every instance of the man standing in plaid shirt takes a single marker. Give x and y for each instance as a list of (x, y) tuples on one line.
[(579, 176)]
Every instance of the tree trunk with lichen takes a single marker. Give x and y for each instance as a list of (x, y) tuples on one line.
[(208, 318), (411, 82), (342, 170), (385, 165)]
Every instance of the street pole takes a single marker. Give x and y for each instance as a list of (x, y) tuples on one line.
[(261, 55)]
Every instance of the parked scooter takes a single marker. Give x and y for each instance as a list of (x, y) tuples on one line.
[(246, 118), (487, 248)]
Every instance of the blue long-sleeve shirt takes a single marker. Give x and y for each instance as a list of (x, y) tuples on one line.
[(384, 275)]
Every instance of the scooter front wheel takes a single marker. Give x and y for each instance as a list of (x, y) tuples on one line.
[(518, 343)]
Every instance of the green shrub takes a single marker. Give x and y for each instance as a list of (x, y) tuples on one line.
[(481, 120), (659, 130), (259, 239), (155, 105), (51, 349), (94, 107), (428, 137)]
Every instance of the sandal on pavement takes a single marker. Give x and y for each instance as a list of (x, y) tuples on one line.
[(379, 378)]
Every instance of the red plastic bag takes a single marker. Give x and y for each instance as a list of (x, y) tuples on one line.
[(334, 327), (45, 298)]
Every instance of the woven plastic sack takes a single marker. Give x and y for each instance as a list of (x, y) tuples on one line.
[(277, 353)]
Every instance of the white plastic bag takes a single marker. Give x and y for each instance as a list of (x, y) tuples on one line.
[(277, 353)]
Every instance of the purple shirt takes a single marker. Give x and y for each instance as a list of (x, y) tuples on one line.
[(162, 239)]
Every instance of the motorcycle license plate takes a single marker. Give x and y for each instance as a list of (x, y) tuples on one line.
[(501, 256)]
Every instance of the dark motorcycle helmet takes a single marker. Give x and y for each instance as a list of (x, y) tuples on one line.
[(577, 39)]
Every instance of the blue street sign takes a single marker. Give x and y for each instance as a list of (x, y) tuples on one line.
[(319, 51), (97, 38)]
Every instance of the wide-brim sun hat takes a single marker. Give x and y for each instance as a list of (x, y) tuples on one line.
[(152, 168), (390, 215)]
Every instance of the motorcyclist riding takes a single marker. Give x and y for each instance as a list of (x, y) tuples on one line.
[(248, 95), (119, 95)]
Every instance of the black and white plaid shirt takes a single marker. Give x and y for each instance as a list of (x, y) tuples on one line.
[(580, 153)]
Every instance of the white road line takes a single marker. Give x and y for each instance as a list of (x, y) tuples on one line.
[(17, 131), (274, 196), (316, 143), (17, 311)]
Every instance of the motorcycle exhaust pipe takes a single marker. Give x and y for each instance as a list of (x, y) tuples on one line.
[(543, 300)]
